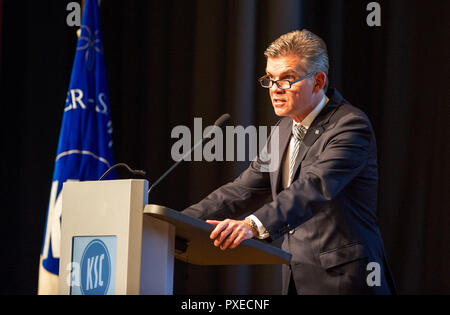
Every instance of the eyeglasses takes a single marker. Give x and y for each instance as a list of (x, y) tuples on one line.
[(282, 84)]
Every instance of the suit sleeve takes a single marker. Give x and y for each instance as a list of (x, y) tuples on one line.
[(344, 156)]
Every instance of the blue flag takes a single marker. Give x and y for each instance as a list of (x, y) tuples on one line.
[(85, 141)]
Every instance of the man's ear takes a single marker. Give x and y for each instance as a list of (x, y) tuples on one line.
[(321, 80)]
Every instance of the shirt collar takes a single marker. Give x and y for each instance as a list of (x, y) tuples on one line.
[(312, 115)]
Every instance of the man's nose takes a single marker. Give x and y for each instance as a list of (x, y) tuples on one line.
[(276, 89)]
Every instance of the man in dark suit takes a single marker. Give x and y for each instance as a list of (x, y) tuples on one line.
[(322, 198)]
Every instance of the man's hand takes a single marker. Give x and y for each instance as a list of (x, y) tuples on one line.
[(230, 233)]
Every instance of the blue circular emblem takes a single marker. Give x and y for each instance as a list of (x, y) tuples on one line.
[(95, 268)]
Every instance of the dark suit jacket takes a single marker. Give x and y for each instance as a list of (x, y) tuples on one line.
[(327, 216)]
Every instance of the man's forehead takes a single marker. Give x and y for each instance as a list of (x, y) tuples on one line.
[(280, 65)]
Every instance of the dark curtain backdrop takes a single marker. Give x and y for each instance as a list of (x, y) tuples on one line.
[(170, 61)]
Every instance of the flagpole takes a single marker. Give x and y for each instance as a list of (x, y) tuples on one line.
[(82, 8)]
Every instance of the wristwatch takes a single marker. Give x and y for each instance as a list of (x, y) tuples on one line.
[(260, 235), (252, 225)]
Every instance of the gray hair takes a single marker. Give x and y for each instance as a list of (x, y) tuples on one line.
[(310, 47)]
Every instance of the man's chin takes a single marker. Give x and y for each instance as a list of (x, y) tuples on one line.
[(280, 112)]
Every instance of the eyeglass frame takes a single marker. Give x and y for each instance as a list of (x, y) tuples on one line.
[(290, 82)]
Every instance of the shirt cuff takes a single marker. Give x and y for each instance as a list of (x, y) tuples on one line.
[(262, 232)]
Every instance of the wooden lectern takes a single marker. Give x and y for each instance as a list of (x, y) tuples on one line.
[(113, 242)]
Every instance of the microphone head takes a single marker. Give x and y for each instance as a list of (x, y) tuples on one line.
[(139, 172), (222, 120)]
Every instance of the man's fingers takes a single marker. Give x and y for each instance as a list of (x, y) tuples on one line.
[(223, 235), (241, 233), (238, 240), (229, 233), (230, 239), (218, 229)]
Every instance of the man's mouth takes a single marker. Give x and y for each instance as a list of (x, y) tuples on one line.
[(278, 102)]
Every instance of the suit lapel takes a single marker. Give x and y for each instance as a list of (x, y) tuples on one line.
[(285, 135), (317, 127), (311, 136)]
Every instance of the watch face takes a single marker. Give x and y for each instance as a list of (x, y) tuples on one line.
[(253, 225)]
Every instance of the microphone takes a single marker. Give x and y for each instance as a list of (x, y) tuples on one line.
[(218, 123), (135, 172)]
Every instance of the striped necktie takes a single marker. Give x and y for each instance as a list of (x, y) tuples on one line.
[(299, 133)]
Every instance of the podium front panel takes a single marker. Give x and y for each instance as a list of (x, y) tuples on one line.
[(104, 220)]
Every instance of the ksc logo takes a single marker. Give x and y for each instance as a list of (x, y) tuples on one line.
[(95, 268)]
